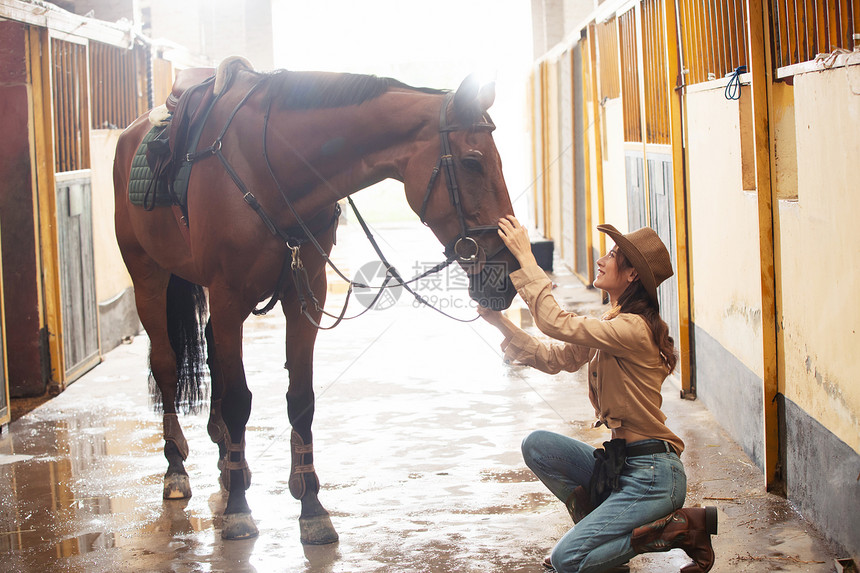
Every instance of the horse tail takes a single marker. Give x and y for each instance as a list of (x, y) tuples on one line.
[(186, 320)]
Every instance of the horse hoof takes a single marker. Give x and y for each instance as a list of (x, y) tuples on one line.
[(317, 530), (238, 526), (177, 486)]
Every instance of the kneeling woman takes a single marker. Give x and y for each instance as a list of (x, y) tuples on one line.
[(627, 498)]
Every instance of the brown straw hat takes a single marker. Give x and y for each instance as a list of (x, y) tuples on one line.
[(646, 252)]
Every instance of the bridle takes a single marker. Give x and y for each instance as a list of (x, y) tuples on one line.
[(462, 248)]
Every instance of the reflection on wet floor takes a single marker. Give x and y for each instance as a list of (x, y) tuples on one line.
[(417, 434)]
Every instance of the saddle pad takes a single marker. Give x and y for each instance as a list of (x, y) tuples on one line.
[(142, 190)]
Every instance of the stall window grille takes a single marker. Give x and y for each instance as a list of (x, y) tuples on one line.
[(114, 74), (630, 76), (655, 71), (69, 90), (802, 29), (713, 37), (607, 54)]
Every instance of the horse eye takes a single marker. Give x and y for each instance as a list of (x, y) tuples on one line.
[(472, 162)]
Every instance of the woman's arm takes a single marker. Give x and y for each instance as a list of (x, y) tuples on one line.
[(621, 336), (521, 347), (616, 336)]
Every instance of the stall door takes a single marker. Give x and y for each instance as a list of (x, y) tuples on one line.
[(580, 205), (662, 211), (634, 168), (566, 112), (648, 160), (79, 308), (77, 273)]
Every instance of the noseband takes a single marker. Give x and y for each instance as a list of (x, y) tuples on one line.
[(463, 248)]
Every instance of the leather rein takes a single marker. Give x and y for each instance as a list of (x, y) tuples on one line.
[(462, 248)]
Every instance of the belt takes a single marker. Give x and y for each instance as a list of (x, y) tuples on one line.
[(660, 447)]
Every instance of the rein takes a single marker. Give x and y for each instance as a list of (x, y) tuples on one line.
[(453, 251)]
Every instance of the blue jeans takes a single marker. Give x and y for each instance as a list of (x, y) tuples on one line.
[(652, 486)]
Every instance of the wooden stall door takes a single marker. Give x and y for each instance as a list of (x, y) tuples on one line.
[(634, 169), (580, 204), (566, 112), (662, 211), (79, 306), (77, 273), (648, 164)]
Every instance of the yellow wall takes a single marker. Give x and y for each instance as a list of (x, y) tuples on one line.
[(724, 271), (819, 238), (111, 275)]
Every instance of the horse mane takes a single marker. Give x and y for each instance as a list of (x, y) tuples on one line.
[(316, 90)]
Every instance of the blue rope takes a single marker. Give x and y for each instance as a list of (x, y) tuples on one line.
[(733, 88)]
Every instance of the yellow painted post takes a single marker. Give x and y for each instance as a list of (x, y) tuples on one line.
[(6, 410), (545, 161), (46, 226), (532, 122), (761, 67), (598, 143), (676, 124), (571, 63), (585, 56)]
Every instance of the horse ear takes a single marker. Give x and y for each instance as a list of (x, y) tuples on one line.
[(466, 99), (487, 95), (468, 90)]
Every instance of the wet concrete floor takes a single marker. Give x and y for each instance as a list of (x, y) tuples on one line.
[(417, 433)]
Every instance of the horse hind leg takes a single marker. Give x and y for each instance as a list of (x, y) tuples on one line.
[(156, 298), (185, 306)]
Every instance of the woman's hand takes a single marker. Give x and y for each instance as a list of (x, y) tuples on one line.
[(494, 317), (516, 239), (497, 319)]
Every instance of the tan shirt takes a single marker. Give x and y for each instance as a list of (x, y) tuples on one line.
[(625, 371)]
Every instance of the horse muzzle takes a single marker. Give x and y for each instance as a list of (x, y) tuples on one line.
[(490, 284)]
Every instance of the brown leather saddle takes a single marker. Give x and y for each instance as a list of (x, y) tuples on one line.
[(168, 153)]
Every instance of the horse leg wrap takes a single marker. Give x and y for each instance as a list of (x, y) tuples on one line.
[(218, 431), (173, 433), (216, 427), (298, 486), (176, 483), (228, 464)]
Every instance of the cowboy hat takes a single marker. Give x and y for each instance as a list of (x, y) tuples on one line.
[(646, 252)]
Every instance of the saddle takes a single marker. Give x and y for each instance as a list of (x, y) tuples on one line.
[(175, 135)]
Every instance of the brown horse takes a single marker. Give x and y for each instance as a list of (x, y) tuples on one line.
[(294, 143)]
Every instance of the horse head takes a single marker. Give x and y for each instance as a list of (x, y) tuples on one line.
[(463, 197)]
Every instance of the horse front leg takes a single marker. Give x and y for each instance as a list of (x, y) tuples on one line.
[(216, 427), (224, 335), (314, 523)]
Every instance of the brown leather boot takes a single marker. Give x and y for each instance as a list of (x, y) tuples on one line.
[(578, 504), (689, 529)]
